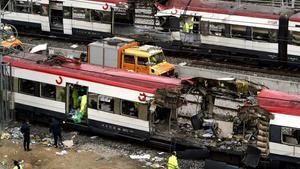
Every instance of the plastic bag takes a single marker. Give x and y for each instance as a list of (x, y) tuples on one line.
[(77, 117)]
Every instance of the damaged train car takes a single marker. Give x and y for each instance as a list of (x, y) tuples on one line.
[(237, 121), (222, 119)]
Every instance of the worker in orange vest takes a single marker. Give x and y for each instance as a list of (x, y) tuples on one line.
[(172, 162)]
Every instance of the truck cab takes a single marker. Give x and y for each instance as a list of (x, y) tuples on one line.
[(127, 54), (146, 59)]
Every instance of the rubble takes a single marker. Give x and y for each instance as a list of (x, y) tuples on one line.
[(5, 136), (68, 143), (61, 153), (140, 157)]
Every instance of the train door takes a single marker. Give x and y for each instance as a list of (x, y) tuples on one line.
[(76, 103), (56, 15)]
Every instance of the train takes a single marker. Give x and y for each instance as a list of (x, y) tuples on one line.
[(177, 113), (265, 32)]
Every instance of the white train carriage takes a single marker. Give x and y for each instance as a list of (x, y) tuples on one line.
[(70, 17), (242, 28), (118, 101), (284, 128)]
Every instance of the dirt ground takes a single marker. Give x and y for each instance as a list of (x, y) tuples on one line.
[(44, 157)]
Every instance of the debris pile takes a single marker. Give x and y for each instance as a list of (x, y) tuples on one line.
[(217, 113)]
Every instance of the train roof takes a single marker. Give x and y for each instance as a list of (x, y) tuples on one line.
[(279, 102), (110, 1), (98, 74), (231, 8)]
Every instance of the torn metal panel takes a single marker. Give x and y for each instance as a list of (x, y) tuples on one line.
[(225, 113), (225, 129), (229, 103)]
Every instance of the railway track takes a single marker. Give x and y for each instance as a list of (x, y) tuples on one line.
[(194, 58)]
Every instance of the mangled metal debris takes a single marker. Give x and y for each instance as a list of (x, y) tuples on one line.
[(220, 113)]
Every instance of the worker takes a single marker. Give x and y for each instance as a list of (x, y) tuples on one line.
[(60, 94), (17, 165), (83, 105), (188, 25), (25, 130), (75, 98), (172, 161), (56, 131)]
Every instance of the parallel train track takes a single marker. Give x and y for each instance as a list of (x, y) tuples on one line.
[(201, 58)]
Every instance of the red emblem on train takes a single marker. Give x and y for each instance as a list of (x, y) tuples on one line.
[(142, 97), (59, 80), (174, 11), (105, 7)]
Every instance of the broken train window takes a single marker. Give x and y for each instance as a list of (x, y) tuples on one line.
[(106, 103), (29, 87), (48, 91), (290, 135), (129, 108)]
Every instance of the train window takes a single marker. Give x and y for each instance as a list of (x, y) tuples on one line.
[(48, 91), (10, 6), (67, 12), (106, 17), (217, 29), (22, 6), (60, 94), (129, 59), (36, 9), (106, 103), (290, 135), (96, 16), (93, 99), (44, 10), (29, 87), (204, 27), (129, 108), (81, 14), (239, 31), (264, 34), (295, 37), (143, 61)]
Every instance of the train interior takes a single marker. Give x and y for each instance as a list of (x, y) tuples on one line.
[(76, 103)]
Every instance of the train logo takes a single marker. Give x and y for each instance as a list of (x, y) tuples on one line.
[(142, 97), (105, 7), (59, 80)]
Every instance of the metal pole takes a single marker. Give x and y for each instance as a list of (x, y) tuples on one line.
[(5, 74), (1, 91)]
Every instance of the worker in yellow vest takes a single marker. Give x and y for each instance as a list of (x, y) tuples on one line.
[(17, 165), (188, 25), (172, 161), (83, 105)]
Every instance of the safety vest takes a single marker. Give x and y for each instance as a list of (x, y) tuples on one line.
[(16, 167), (83, 104), (186, 28), (172, 162)]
